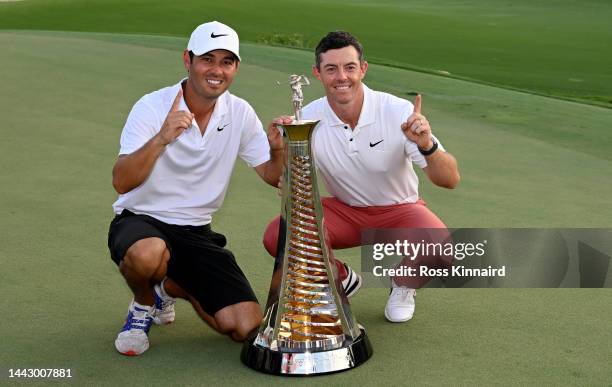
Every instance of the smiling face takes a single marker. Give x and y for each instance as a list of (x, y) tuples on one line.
[(212, 73), (341, 72)]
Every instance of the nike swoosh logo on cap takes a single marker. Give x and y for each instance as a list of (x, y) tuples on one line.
[(376, 143), (212, 35)]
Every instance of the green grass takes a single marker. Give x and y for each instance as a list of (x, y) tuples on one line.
[(63, 103), (552, 48)]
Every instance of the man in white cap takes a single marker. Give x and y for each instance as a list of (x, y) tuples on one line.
[(178, 149)]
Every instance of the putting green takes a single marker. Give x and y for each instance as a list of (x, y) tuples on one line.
[(525, 161), (558, 49)]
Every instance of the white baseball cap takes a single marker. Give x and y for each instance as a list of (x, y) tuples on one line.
[(213, 36)]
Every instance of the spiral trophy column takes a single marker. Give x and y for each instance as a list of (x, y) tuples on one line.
[(308, 327)]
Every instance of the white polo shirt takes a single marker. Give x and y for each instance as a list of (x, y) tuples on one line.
[(189, 180), (372, 164)]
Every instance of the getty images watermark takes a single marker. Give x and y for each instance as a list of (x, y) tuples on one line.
[(432, 250), (533, 258)]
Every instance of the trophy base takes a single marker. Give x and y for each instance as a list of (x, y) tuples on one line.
[(307, 363)]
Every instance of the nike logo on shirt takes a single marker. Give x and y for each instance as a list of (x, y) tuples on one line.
[(220, 128), (376, 143)]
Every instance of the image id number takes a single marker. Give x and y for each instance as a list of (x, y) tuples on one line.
[(40, 373)]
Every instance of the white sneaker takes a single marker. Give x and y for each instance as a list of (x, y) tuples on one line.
[(133, 339), (163, 312), (400, 305), (352, 283)]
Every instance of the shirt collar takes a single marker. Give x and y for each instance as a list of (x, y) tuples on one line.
[(332, 118), (367, 115), (220, 106)]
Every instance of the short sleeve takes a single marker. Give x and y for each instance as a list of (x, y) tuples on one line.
[(141, 125), (254, 146)]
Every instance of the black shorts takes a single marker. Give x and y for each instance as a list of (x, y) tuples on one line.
[(198, 262)]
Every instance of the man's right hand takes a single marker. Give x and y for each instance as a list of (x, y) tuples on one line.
[(274, 134), (177, 121)]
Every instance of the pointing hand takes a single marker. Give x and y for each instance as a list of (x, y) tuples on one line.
[(177, 121), (416, 128)]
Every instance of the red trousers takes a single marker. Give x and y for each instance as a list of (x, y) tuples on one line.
[(344, 224)]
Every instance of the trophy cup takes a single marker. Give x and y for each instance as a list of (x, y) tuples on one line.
[(308, 328)]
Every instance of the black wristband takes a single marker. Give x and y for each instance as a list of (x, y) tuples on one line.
[(431, 150)]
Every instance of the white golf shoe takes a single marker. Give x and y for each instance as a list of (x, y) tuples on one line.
[(400, 305), (352, 282), (163, 312), (133, 338)]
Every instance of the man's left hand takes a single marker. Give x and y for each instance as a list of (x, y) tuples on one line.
[(416, 128)]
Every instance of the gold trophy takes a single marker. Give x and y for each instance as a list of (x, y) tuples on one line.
[(308, 328)]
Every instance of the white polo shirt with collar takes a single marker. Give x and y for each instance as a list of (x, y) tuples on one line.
[(190, 178), (370, 165)]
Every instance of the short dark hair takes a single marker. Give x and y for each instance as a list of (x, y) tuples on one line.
[(334, 40)]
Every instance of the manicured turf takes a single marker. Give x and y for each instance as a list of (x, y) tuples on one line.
[(64, 100), (559, 48)]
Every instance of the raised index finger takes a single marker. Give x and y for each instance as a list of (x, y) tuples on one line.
[(417, 104), (177, 101)]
